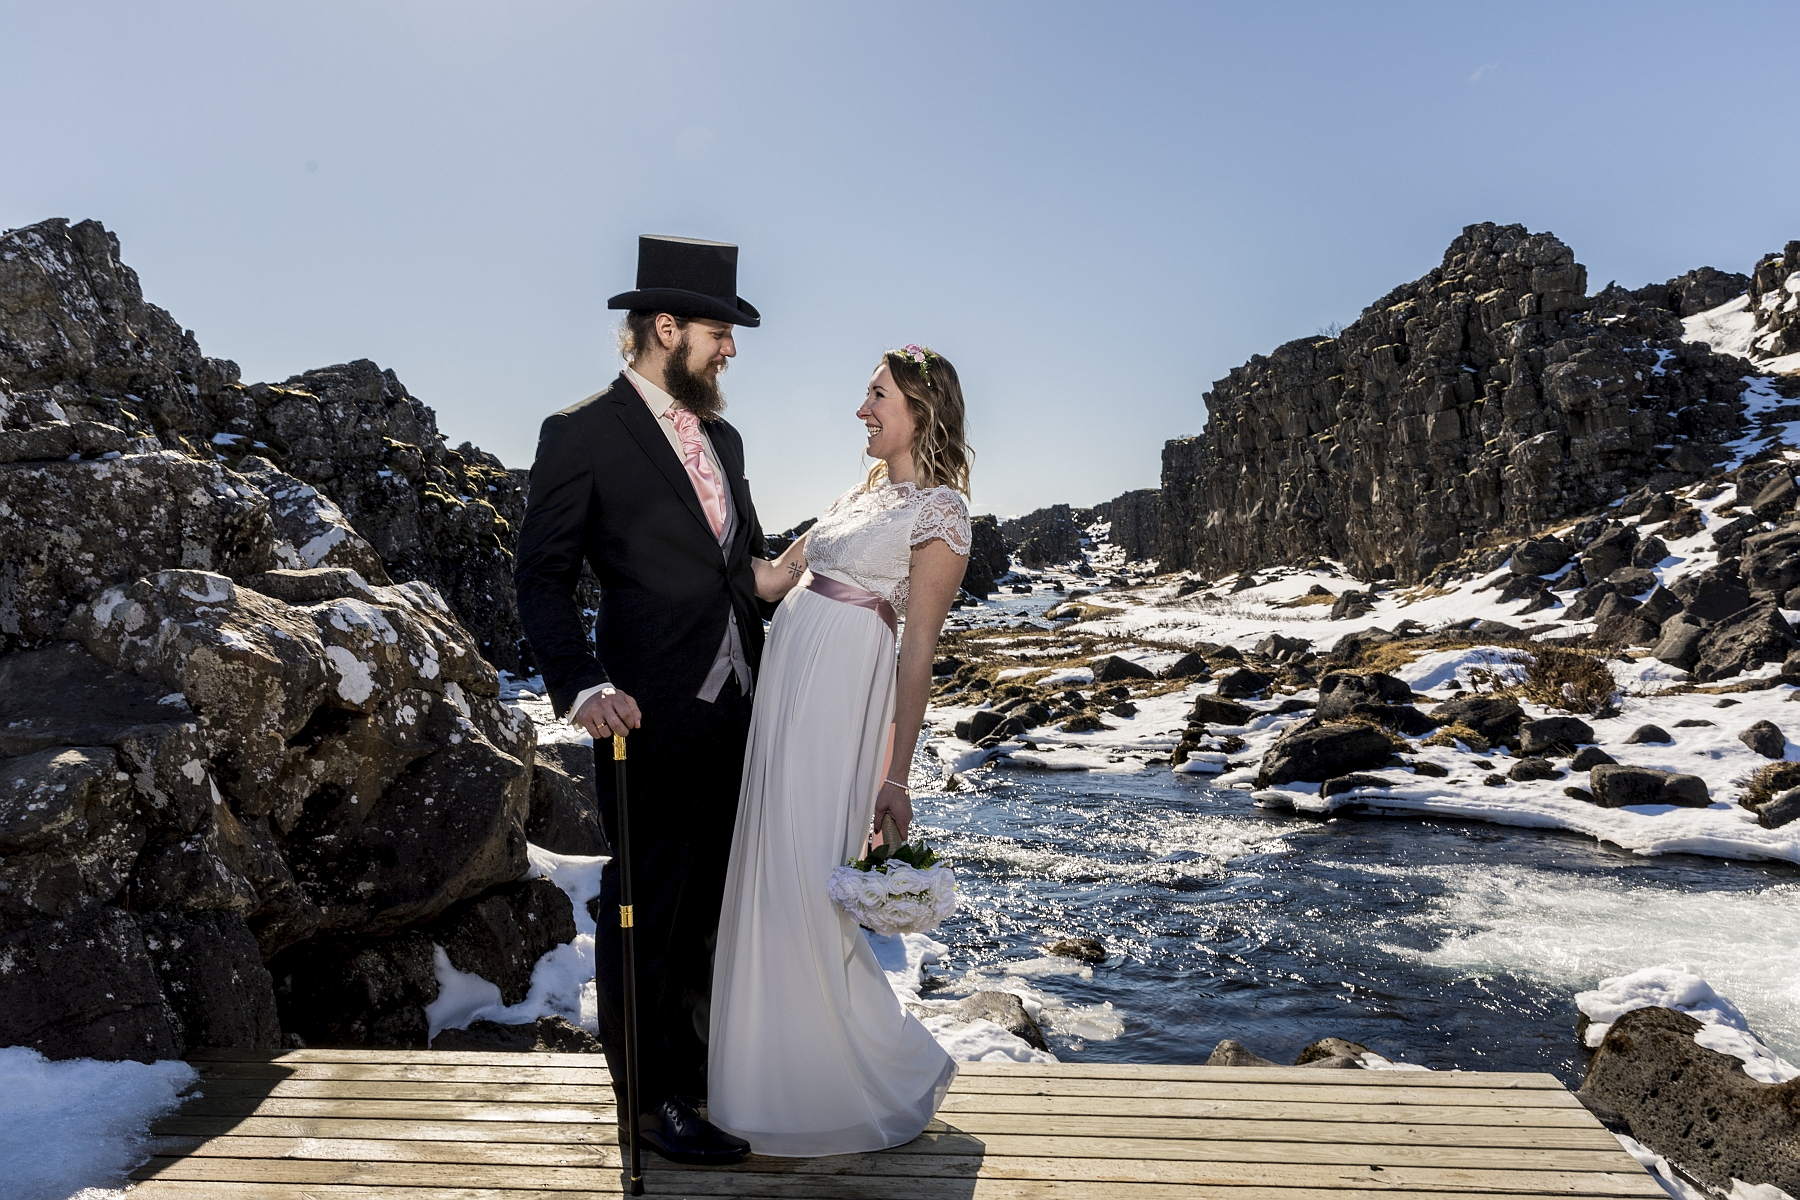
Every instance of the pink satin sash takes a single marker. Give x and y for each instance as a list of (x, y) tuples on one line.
[(849, 593)]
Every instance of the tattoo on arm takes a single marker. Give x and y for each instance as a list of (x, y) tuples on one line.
[(796, 570)]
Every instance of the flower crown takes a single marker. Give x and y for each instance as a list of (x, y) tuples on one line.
[(920, 356)]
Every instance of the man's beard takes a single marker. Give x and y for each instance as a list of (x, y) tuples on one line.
[(698, 392)]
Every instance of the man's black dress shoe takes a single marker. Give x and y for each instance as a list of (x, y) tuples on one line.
[(674, 1130)]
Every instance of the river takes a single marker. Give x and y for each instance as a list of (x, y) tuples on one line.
[(1444, 943)]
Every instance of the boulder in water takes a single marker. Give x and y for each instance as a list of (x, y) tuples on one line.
[(1696, 1106)]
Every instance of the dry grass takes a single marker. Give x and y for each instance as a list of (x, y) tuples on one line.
[(1449, 735), (1766, 783), (1577, 681)]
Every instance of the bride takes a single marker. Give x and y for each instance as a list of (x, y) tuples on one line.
[(810, 1051)]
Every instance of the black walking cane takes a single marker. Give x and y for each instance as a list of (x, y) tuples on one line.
[(632, 1177)]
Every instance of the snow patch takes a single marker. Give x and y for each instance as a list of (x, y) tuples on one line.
[(74, 1128)]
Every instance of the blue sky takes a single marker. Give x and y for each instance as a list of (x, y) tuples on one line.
[(1093, 210)]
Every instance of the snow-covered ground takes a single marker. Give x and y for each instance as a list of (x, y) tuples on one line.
[(1731, 329), (71, 1130), (1153, 624)]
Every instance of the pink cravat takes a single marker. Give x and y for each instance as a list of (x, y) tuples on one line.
[(700, 472)]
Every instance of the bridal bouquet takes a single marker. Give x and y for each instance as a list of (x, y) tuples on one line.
[(902, 890)]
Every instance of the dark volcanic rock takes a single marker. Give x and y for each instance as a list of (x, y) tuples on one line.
[(1002, 1008), (1618, 786), (1324, 752), (1696, 1106), (1539, 556), (1610, 551), (1533, 768), (76, 329), (1210, 710), (565, 811), (1136, 522), (212, 973), (1331, 1052), (1554, 735), (1766, 738), (501, 936), (1049, 535), (988, 558), (1490, 395), (1113, 669), (552, 1035), (1771, 564), (1232, 1053), (1678, 641), (1188, 666), (1743, 642), (1401, 718), (1243, 683), (1589, 757), (338, 993), (1785, 808), (68, 833), (1087, 949), (1712, 594), (216, 711), (1649, 735), (85, 988), (1497, 720), (1341, 691)]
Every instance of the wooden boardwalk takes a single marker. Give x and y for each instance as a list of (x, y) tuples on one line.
[(424, 1125)]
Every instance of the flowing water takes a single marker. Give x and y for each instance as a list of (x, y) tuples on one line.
[(1442, 943)]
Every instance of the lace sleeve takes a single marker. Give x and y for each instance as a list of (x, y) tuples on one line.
[(945, 516)]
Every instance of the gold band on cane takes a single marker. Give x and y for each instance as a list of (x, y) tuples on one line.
[(618, 747), (626, 918)]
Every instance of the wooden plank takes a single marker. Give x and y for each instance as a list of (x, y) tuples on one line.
[(404, 1089), (400, 1110), (1345, 1093), (504, 1083), (1141, 1071), (959, 1110), (1159, 1098), (511, 1073), (1457, 1114), (473, 1058), (930, 1147), (918, 1177), (162, 1189), (1532, 1079), (1097, 1132)]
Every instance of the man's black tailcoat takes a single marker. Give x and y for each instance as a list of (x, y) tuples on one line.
[(608, 488)]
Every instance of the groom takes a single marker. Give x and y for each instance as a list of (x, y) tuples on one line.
[(644, 482)]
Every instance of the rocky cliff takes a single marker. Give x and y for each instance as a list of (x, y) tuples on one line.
[(1493, 395), (255, 763), (74, 324)]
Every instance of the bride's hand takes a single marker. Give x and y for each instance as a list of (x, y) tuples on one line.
[(893, 799)]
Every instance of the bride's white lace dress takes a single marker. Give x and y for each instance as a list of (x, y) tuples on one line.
[(811, 1053)]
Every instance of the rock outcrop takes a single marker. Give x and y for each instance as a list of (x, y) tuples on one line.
[(1491, 395), (228, 736), (1049, 535), (1136, 519), (93, 368), (1696, 1106)]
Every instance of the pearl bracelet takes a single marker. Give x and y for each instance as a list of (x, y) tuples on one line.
[(896, 783)]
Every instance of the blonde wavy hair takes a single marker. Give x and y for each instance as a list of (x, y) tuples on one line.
[(934, 397)]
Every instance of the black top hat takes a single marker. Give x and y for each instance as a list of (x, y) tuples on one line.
[(686, 277)]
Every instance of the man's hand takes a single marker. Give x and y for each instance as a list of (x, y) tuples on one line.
[(609, 713)]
